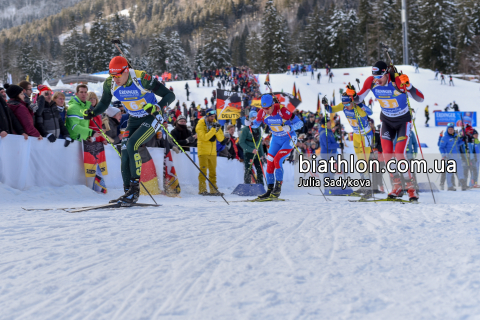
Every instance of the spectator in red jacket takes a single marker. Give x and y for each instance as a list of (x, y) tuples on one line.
[(20, 109), (9, 124), (92, 97)]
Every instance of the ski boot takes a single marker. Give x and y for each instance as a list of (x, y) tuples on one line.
[(131, 196), (463, 183), (397, 190), (367, 195), (442, 186), (125, 189), (451, 189), (276, 190), (266, 194), (204, 193), (411, 190), (216, 194)]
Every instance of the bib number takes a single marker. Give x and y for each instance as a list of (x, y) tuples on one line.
[(388, 103), (276, 128)]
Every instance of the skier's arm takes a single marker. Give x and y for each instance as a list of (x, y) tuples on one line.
[(416, 94), (367, 86), (363, 110), (339, 107), (104, 102), (442, 147), (258, 121), (152, 84), (296, 123)]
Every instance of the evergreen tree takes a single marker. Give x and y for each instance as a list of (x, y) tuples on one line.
[(253, 53), (100, 49), (414, 31), (365, 27), (313, 40), (157, 53), (437, 24), (215, 51), (466, 31), (75, 53), (177, 60), (199, 60), (354, 52), (337, 43), (274, 44)]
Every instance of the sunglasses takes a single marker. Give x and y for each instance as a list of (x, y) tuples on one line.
[(379, 76), (117, 75), (347, 104)]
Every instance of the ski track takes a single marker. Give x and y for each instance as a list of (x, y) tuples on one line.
[(190, 259)]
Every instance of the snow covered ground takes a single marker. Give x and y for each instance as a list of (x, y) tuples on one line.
[(195, 259)]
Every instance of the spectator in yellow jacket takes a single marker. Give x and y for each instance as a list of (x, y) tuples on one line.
[(208, 132)]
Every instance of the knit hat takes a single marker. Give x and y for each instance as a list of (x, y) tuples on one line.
[(117, 104), (346, 99), (181, 117), (252, 114), (450, 125), (42, 87), (112, 111), (13, 90), (117, 65)]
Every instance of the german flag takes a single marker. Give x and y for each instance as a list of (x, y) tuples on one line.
[(171, 185), (294, 93), (319, 105), (148, 176), (95, 165), (299, 97)]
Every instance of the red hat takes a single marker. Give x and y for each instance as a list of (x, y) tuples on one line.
[(118, 65), (42, 88)]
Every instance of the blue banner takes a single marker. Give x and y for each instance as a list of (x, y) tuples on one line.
[(443, 118)]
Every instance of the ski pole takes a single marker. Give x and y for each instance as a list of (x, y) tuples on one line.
[(363, 147), (116, 42), (418, 140), (108, 140), (259, 160), (183, 151)]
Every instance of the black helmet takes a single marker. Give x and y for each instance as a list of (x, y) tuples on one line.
[(379, 69)]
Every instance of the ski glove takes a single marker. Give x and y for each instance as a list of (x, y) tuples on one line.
[(351, 91), (150, 108), (404, 81), (88, 114), (216, 125), (51, 137), (248, 123), (286, 128), (68, 140), (191, 139), (325, 100)]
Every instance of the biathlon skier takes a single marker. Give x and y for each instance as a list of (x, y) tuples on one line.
[(391, 90), (283, 124), (136, 90), (357, 116)]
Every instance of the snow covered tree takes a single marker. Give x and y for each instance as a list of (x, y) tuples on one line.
[(365, 27), (354, 52), (438, 25), (274, 40), (414, 31), (337, 43), (74, 53), (177, 59), (157, 53), (100, 49), (313, 40), (253, 45), (199, 60), (467, 26), (215, 51)]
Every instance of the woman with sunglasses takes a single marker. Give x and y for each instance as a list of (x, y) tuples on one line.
[(282, 123), (136, 90), (357, 116), (391, 90)]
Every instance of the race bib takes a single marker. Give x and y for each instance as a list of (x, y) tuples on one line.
[(388, 103)]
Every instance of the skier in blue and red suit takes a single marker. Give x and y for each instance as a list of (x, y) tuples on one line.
[(283, 124)]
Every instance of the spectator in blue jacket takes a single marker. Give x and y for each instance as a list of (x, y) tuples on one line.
[(328, 145), (451, 147)]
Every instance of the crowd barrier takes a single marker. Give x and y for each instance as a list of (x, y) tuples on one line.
[(32, 163)]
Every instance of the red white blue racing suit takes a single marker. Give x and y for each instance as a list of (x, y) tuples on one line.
[(395, 116), (281, 145)]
